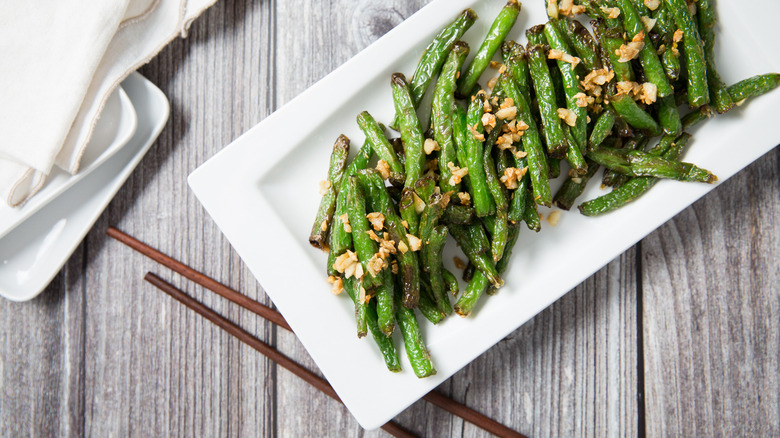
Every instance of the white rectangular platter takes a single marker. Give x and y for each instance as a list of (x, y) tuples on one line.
[(262, 191)]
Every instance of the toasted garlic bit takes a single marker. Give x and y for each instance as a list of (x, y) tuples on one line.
[(520, 155), (402, 247), (554, 217), (583, 100), (377, 220), (372, 235), (405, 224), (492, 83), (567, 116), (505, 141), (457, 173), (460, 264), (648, 22), (476, 134), (324, 186), (512, 176), (465, 198), (348, 265), (652, 4), (489, 120), (676, 38), (419, 204), (324, 225), (345, 220), (648, 93), (611, 12), (563, 56), (383, 168), (430, 145), (502, 69), (394, 264), (495, 64), (565, 7), (576, 180), (338, 285), (630, 51), (552, 8), (597, 78), (627, 87), (415, 243), (362, 297), (507, 113), (376, 264), (578, 10), (486, 107)]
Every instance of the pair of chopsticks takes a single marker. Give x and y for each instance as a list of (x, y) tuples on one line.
[(275, 317)]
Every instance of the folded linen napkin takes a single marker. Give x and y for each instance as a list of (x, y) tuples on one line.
[(61, 61)]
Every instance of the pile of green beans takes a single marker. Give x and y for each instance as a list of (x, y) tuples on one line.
[(483, 165)]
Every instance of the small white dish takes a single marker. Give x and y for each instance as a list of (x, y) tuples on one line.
[(262, 191), (36, 249), (114, 129)]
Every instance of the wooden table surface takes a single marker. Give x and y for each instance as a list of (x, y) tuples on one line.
[(679, 336)]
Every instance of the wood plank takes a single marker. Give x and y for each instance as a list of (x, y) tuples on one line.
[(42, 359), (711, 307), (153, 367)]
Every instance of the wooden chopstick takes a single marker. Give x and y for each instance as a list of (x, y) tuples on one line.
[(266, 312), (265, 349)]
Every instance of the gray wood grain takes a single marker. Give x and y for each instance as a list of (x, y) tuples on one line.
[(102, 353), (710, 312)]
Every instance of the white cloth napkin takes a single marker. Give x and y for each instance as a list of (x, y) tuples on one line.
[(59, 62)]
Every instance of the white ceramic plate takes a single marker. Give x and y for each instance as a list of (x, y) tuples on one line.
[(262, 192), (34, 251), (116, 125)]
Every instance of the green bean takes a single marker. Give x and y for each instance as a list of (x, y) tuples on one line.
[(471, 295), (407, 209), (698, 91), (574, 154), (428, 308), (583, 43), (425, 187), (571, 88), (408, 262), (435, 55), (385, 344), (431, 215), (554, 170), (433, 258), (671, 63), (464, 236), (668, 116), (653, 69), (480, 196), (458, 214), (502, 264), (339, 240), (515, 61), (411, 131), (418, 354), (532, 143), (500, 229), (602, 128), (452, 282), (517, 204), (573, 187), (364, 246), (754, 86), (468, 273), (441, 115), (633, 114), (629, 191), (381, 146), (353, 285), (495, 36), (531, 215), (638, 163), (385, 303), (719, 94), (338, 163), (545, 95)]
